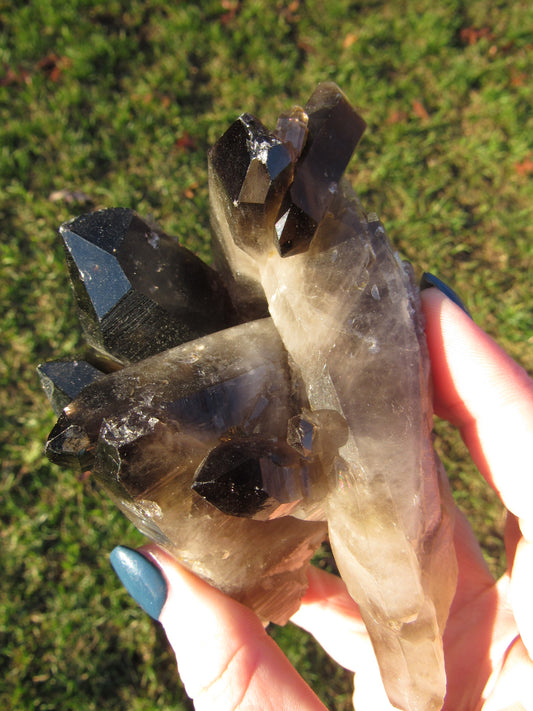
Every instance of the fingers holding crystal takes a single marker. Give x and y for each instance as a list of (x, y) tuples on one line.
[(332, 617), (515, 681), (522, 591), (489, 397)]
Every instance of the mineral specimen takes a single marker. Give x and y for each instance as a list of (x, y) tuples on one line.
[(238, 450)]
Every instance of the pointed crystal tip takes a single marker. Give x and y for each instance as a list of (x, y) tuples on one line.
[(68, 444), (63, 380), (138, 291)]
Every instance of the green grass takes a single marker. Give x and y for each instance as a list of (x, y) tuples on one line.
[(121, 101)]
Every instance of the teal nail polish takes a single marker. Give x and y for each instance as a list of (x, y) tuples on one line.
[(428, 280), (141, 578)]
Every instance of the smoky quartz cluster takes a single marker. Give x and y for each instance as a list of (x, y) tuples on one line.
[(241, 414)]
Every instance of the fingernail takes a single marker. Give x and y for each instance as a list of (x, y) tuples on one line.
[(141, 578), (428, 280)]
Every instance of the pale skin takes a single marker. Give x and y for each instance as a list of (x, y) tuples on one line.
[(226, 659)]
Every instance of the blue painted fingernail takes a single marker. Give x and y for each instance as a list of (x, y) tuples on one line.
[(428, 280), (141, 578)]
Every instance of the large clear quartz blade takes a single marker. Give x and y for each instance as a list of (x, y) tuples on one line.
[(348, 312)]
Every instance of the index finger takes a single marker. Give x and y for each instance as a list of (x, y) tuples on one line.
[(479, 388)]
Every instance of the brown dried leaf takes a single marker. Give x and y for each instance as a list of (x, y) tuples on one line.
[(290, 12), (189, 192), (518, 78), (53, 66), (185, 142), (351, 38), (232, 7), (397, 116), (305, 46), (420, 110), (472, 35), (524, 167), (13, 77)]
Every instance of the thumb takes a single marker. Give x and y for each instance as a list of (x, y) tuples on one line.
[(225, 658)]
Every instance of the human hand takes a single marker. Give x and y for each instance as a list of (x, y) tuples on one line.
[(227, 660)]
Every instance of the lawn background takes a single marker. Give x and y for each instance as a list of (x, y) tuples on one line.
[(119, 102)]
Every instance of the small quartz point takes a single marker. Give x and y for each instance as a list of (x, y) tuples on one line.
[(334, 130), (137, 290), (63, 380), (148, 429), (317, 433), (292, 129), (348, 311), (258, 477)]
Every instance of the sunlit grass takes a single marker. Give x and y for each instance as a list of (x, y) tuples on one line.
[(121, 101)]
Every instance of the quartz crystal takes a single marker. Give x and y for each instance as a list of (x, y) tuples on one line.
[(137, 290), (240, 447), (146, 430), (63, 380)]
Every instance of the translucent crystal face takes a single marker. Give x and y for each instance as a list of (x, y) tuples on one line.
[(240, 447)]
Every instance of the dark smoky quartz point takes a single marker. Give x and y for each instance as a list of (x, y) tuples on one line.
[(294, 229), (137, 290), (249, 159), (255, 477), (334, 130), (230, 478), (253, 169), (63, 380)]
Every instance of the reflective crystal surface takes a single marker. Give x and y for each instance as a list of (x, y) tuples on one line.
[(292, 130), (334, 130), (137, 290), (240, 450), (257, 477), (63, 380)]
